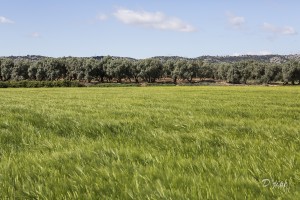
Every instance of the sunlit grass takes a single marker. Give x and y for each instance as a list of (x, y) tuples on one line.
[(150, 143)]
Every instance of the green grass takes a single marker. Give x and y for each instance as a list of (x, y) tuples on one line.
[(150, 143)]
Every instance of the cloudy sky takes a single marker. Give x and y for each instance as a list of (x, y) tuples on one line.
[(149, 28)]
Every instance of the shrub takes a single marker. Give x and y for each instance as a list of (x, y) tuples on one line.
[(38, 84)]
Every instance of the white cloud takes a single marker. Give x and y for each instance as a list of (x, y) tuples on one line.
[(287, 30), (4, 20), (156, 20), (35, 35), (101, 17), (236, 22)]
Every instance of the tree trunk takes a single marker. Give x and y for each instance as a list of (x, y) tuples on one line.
[(136, 79)]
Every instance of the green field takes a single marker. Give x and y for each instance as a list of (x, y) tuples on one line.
[(150, 143)]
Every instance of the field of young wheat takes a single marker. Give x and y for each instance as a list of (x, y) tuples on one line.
[(238, 142)]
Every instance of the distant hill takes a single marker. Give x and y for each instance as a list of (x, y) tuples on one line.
[(210, 59), (28, 57), (229, 59)]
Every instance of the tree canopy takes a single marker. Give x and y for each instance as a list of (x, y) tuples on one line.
[(111, 69)]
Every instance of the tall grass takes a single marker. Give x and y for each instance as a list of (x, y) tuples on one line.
[(150, 143)]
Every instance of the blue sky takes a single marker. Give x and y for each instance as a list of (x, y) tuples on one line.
[(142, 29)]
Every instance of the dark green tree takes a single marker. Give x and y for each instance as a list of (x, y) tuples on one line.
[(74, 66), (205, 71), (168, 68), (91, 69), (258, 71), (41, 73), (7, 66), (135, 70), (222, 70), (291, 72), (273, 72), (150, 69), (120, 69), (55, 68), (20, 70), (233, 74), (245, 69)]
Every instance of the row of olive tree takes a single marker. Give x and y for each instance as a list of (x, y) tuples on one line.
[(241, 72), (111, 69)]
